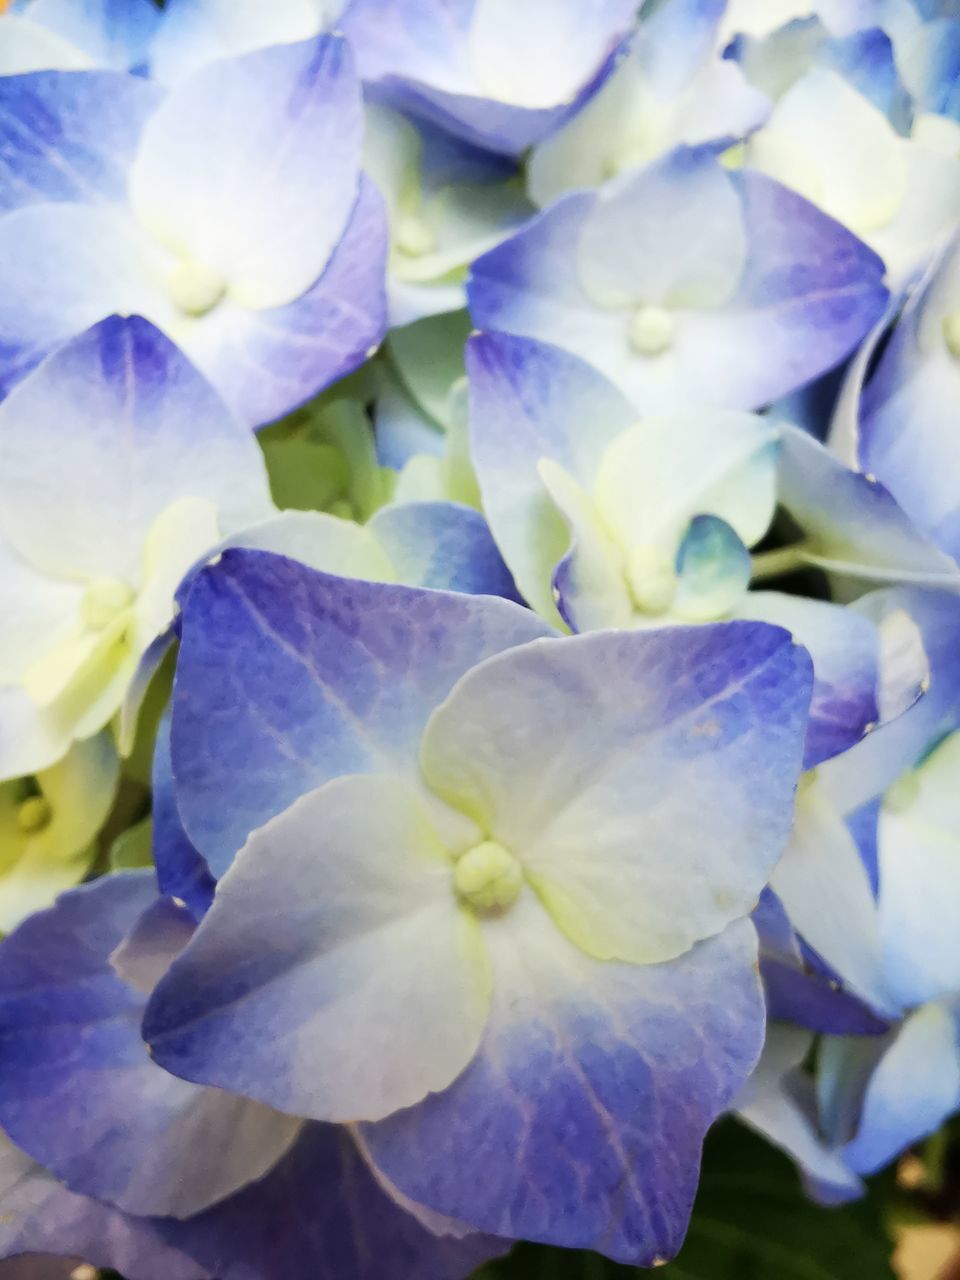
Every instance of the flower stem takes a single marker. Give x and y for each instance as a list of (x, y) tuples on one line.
[(773, 564)]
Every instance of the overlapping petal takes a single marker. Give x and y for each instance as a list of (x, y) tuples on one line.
[(289, 678), (660, 825), (339, 1021), (581, 1118), (83, 1097), (250, 168)]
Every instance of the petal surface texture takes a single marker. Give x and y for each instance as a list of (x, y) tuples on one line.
[(643, 779)]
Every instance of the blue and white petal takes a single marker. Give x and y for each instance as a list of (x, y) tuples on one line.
[(906, 434), (852, 524), (867, 769), (845, 648), (195, 32), (181, 870), (266, 362), (82, 1095), (443, 545), (824, 887), (248, 171), (338, 1021), (671, 88), (29, 47), (70, 137), (104, 438), (530, 401), (918, 846), (602, 821), (778, 1103), (914, 1088), (38, 1215), (795, 294), (497, 76), (580, 1120), (292, 1224), (337, 677), (113, 34)]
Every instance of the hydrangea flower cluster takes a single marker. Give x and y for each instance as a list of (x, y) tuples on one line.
[(480, 657)]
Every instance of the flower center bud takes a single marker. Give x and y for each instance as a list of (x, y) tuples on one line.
[(414, 237), (651, 331), (33, 814), (951, 334), (488, 877), (651, 580), (194, 288), (103, 601)]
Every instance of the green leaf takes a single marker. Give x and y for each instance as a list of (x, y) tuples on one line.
[(752, 1221), (134, 848)]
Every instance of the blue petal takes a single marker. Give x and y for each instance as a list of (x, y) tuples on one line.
[(80, 1093), (39, 1215), (266, 363), (908, 438), (580, 1121), (780, 1103), (862, 823), (813, 290), (262, 362), (679, 37), (809, 292), (317, 1021), (70, 135), (289, 678), (582, 755), (852, 524), (808, 999), (930, 59), (250, 167), (871, 766), (418, 53), (115, 415), (112, 33), (915, 1086), (321, 1215), (844, 647), (292, 1224), (866, 59), (182, 871), (443, 545)]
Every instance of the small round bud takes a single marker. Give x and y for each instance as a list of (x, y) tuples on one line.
[(33, 814), (194, 288), (651, 331), (488, 877)]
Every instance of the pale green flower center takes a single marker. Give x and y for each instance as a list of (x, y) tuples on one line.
[(951, 334), (195, 288), (33, 814), (651, 331), (651, 580), (414, 236), (103, 602), (488, 877)]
